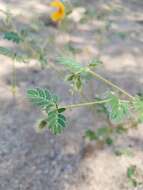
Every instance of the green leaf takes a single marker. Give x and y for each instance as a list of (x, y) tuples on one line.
[(102, 108), (109, 141), (42, 97), (103, 132), (121, 130), (78, 83), (138, 105), (117, 109), (61, 110), (124, 151), (76, 80), (131, 171), (12, 36), (7, 52), (95, 62), (42, 124), (71, 64), (122, 35), (70, 77), (56, 122), (90, 135), (134, 183)]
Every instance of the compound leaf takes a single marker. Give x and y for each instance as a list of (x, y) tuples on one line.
[(117, 109), (71, 64), (6, 52), (56, 122), (138, 105), (42, 97), (12, 36)]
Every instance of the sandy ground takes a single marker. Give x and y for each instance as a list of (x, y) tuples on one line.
[(32, 161)]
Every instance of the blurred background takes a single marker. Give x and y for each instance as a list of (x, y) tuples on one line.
[(111, 30)]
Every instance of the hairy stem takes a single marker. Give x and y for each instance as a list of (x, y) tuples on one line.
[(85, 104), (110, 83)]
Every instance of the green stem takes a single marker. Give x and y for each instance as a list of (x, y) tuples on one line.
[(85, 104), (110, 83)]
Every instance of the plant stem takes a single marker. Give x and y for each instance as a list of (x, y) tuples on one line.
[(110, 83), (85, 104)]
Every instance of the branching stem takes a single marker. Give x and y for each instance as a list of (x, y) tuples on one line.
[(110, 83)]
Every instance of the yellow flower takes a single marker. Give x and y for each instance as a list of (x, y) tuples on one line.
[(59, 14)]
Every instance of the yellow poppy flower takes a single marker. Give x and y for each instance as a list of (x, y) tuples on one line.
[(59, 14)]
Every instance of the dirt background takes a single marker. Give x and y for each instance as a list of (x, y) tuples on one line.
[(33, 161)]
